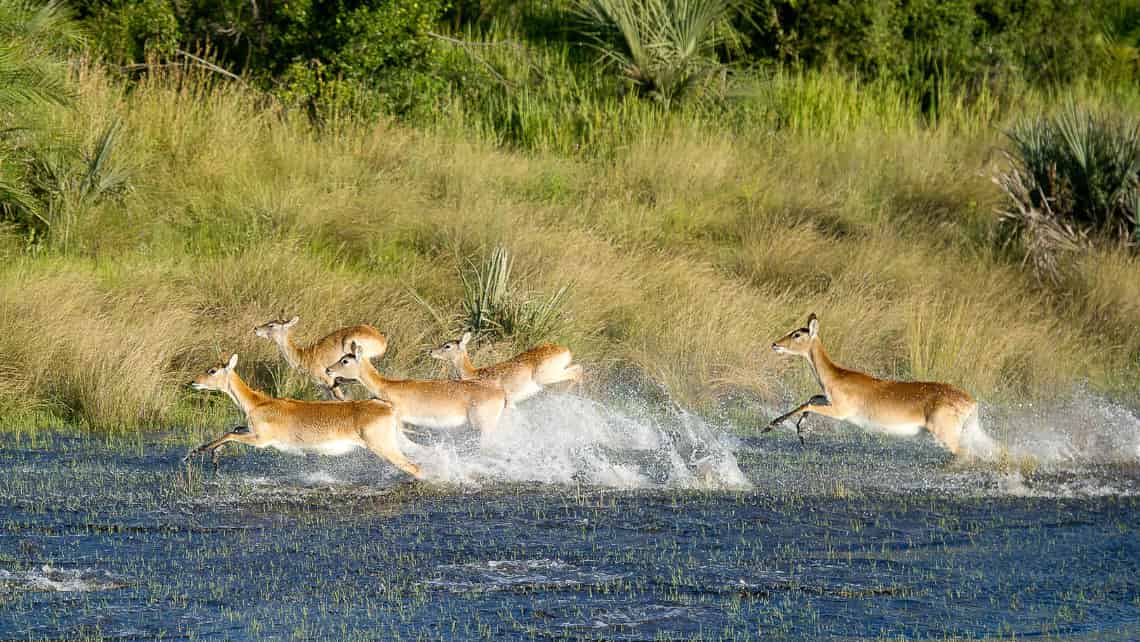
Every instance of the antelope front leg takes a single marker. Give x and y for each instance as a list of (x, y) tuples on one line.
[(819, 404), (237, 433)]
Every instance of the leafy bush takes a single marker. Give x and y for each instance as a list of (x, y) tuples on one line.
[(1070, 177), (931, 42), (130, 30), (319, 54)]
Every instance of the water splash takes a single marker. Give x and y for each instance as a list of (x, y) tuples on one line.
[(64, 580), (565, 439), (1083, 428)]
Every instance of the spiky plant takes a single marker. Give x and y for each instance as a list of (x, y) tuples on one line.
[(487, 293), (494, 304), (664, 48), (33, 39), (1030, 224), (1087, 166), (70, 179), (1070, 177)]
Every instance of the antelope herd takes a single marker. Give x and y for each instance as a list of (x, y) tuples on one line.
[(477, 399), (480, 397)]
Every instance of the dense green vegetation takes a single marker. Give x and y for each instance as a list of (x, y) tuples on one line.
[(673, 194)]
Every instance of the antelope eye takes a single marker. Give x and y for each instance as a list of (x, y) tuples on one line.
[(212, 371)]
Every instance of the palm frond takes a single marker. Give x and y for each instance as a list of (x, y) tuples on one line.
[(665, 48)]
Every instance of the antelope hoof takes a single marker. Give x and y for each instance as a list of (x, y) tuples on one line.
[(197, 452), (776, 422), (799, 429)]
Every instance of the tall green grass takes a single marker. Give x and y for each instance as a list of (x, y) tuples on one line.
[(691, 244)]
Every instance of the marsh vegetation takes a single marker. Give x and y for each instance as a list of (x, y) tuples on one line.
[(108, 540), (156, 215), (951, 187)]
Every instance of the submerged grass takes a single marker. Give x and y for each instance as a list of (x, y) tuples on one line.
[(690, 248)]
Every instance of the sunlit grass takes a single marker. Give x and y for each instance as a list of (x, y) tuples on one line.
[(689, 251)]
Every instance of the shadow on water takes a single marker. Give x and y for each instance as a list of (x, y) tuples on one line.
[(580, 521)]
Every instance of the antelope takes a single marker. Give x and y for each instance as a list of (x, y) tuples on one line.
[(289, 425), (521, 376), (901, 408), (433, 404), (313, 359)]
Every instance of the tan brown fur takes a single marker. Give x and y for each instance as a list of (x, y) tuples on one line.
[(521, 376), (313, 358), (433, 403), (899, 407), (306, 426)]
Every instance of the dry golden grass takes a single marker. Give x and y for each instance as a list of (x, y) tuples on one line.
[(688, 256)]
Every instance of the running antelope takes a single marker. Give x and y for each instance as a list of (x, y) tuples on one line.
[(521, 376), (326, 427), (900, 408), (434, 403), (313, 359)]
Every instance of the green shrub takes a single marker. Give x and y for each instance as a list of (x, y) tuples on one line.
[(323, 56), (130, 30), (930, 42)]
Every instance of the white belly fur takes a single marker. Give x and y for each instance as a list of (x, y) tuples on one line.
[(435, 422), (897, 430), (525, 391), (334, 448)]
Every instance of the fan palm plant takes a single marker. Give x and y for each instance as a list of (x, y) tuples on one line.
[(664, 48), (494, 304), (1070, 178), (33, 41)]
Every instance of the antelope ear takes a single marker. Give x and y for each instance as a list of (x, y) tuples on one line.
[(232, 362), (357, 350), (813, 325), (292, 322), (463, 341)]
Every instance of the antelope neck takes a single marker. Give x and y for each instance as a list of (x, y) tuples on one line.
[(466, 368), (821, 365), (245, 397), (293, 354), (372, 379)]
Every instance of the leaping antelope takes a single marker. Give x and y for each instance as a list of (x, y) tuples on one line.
[(326, 427), (901, 408), (521, 376), (312, 359), (429, 403)]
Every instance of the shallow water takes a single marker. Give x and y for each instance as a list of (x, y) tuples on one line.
[(609, 525)]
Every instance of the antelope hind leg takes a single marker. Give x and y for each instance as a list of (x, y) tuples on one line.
[(381, 440)]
